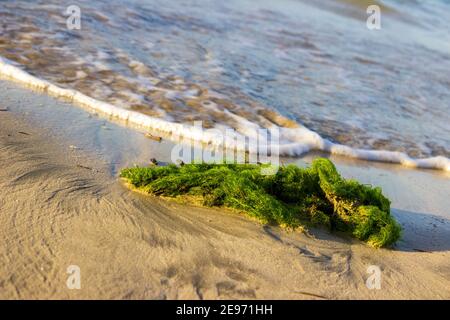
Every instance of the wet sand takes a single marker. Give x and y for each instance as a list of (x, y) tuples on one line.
[(62, 204)]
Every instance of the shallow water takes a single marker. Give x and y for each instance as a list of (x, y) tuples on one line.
[(314, 63)]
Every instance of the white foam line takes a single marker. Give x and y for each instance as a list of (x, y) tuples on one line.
[(295, 141)]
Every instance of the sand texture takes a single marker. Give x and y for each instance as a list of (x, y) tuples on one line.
[(62, 205)]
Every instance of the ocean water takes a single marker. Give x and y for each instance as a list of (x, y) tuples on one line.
[(312, 67)]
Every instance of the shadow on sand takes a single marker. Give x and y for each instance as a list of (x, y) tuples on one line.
[(422, 232)]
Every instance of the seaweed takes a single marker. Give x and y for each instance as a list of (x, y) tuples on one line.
[(292, 197)]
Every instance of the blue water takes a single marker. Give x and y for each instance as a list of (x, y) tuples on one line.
[(314, 62)]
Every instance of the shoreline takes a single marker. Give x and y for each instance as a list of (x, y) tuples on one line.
[(295, 141), (56, 213)]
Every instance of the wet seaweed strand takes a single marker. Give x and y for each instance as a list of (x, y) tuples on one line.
[(292, 197)]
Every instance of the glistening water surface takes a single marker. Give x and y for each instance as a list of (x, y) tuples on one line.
[(284, 62)]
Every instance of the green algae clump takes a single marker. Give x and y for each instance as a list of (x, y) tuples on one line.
[(292, 197)]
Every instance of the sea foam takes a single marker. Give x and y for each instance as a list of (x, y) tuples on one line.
[(293, 141)]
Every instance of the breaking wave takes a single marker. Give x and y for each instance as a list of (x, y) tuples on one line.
[(294, 141)]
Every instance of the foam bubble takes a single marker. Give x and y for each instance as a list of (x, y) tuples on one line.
[(293, 141)]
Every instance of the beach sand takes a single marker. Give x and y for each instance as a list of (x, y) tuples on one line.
[(62, 204)]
